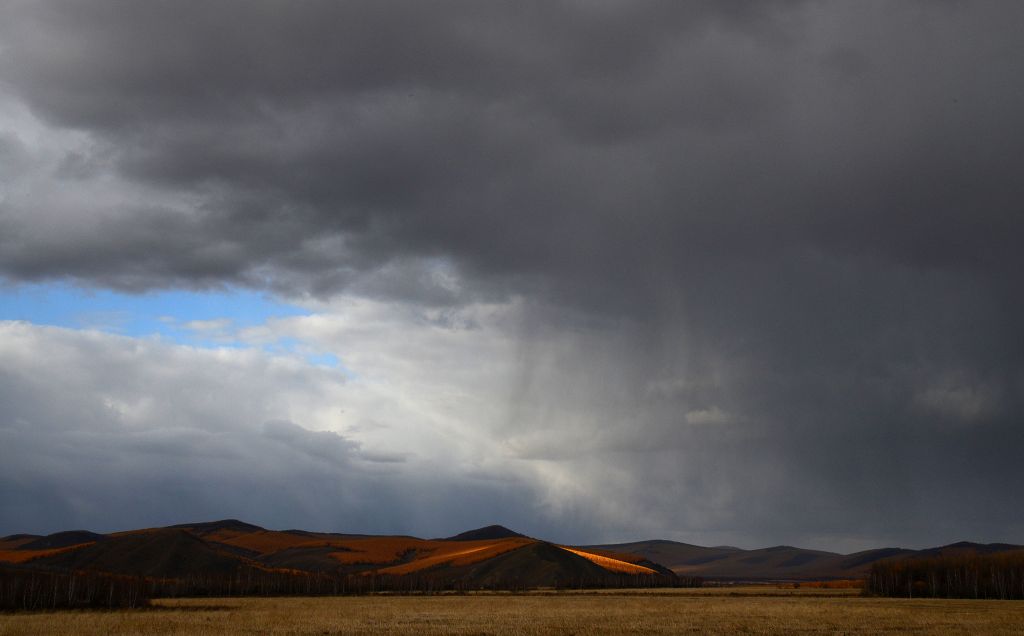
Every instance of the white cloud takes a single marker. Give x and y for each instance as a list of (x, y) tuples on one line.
[(958, 401), (108, 432), (707, 417), (434, 421)]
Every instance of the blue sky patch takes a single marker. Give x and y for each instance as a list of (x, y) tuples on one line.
[(208, 319), (171, 315)]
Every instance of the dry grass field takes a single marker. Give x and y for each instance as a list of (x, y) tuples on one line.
[(757, 610)]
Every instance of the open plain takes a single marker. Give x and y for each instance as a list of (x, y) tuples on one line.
[(737, 610)]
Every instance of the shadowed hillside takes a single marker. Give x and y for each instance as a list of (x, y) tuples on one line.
[(165, 553), (62, 540), (785, 563)]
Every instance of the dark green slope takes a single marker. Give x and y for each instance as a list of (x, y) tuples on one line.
[(164, 553)]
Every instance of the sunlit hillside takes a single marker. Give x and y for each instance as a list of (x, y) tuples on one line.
[(612, 564)]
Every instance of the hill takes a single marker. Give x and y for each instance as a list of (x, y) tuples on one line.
[(164, 553), (231, 550), (481, 557)]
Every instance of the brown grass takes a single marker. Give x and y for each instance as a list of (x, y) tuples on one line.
[(24, 556), (837, 584), (387, 550), (458, 553), (14, 544), (377, 550), (719, 611), (265, 541), (380, 551)]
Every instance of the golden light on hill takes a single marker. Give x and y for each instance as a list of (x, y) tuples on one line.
[(265, 541), (378, 550), (458, 554), (613, 565)]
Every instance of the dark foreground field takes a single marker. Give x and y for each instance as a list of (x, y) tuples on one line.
[(706, 611)]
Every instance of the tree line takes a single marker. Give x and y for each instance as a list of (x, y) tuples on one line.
[(983, 576), (30, 589), (257, 582), (22, 589)]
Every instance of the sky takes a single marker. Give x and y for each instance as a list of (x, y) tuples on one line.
[(719, 272)]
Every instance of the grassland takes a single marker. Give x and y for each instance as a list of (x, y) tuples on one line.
[(761, 610)]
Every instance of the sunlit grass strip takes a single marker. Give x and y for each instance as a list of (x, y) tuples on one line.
[(613, 565)]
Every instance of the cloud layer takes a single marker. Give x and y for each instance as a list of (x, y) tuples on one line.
[(752, 269), (111, 432)]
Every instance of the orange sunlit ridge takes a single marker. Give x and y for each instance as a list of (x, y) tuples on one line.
[(608, 563)]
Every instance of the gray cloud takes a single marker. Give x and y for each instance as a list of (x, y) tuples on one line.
[(767, 252), (456, 129)]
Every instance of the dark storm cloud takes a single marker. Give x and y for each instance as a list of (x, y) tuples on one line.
[(785, 234), (452, 128)]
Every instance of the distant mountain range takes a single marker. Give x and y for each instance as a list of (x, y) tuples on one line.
[(476, 558), (780, 563)]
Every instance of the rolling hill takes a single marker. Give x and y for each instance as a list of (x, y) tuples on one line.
[(491, 556)]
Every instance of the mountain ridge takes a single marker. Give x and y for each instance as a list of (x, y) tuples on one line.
[(228, 545), (782, 562)]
